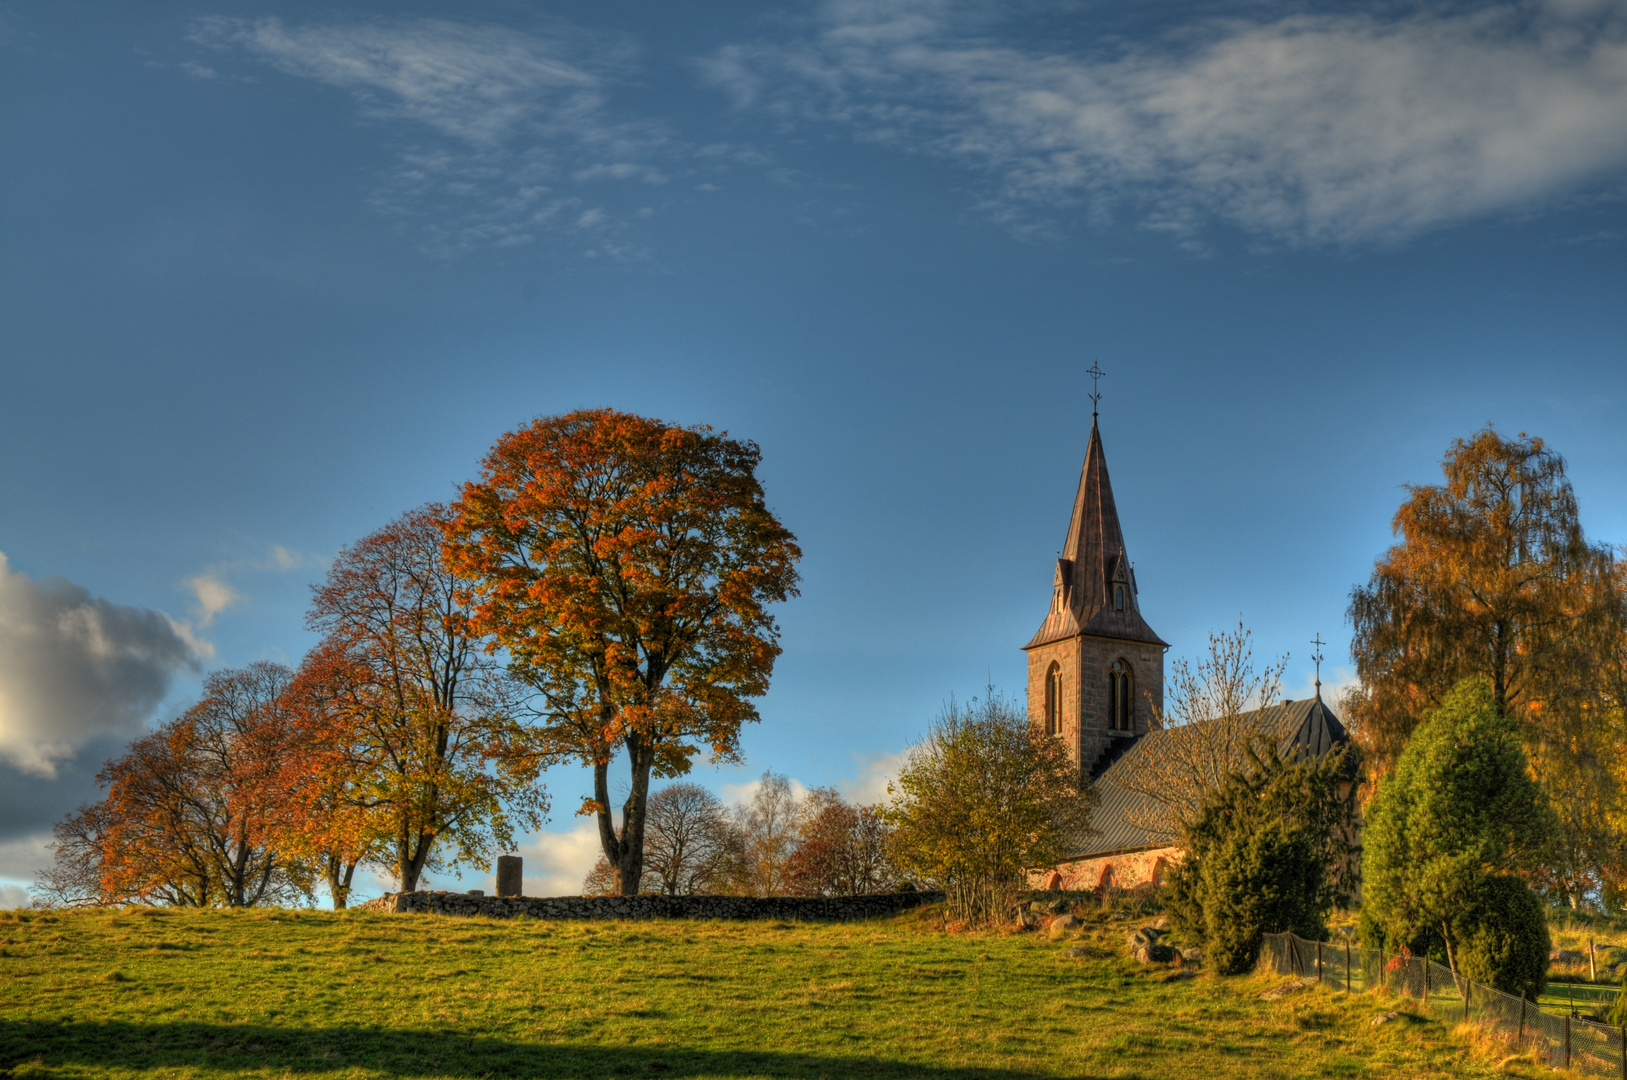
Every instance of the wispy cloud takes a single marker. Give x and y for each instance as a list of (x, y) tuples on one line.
[(506, 131), (213, 594), (75, 668), (1318, 129)]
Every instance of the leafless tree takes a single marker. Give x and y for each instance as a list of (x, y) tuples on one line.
[(688, 841), (1214, 713), (768, 826)]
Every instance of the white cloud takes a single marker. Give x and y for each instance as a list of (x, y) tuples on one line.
[(557, 862), (1347, 129), (74, 668), (14, 896), (869, 785), (213, 594), (476, 83), (500, 119)]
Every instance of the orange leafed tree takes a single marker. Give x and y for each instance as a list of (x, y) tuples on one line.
[(191, 816), (331, 810), (626, 565), (421, 729)]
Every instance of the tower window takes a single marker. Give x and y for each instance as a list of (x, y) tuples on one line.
[(1121, 697), (1118, 598), (1053, 701)]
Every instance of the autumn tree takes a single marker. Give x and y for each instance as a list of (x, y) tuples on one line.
[(423, 713), (841, 849), (1212, 720), (1493, 578), (190, 818), (981, 800), (766, 829), (333, 816), (74, 878), (626, 566)]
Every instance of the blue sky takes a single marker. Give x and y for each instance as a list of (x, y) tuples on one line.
[(272, 273)]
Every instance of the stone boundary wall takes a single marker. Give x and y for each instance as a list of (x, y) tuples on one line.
[(789, 908)]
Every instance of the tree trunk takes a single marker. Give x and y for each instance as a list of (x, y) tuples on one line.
[(1451, 962)]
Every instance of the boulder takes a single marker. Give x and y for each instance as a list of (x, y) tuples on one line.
[(1154, 954), (1057, 907), (1147, 935), (1161, 923), (1061, 925), (1382, 1018), (1190, 956)]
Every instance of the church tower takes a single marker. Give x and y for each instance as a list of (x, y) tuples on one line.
[(1095, 669)]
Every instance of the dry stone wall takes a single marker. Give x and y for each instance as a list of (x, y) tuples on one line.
[(789, 908)]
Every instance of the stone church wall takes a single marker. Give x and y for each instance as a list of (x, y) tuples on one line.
[(734, 908), (1124, 871)]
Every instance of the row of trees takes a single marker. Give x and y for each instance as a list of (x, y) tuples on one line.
[(599, 592), (777, 843)]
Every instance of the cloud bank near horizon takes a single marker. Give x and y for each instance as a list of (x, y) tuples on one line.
[(75, 669), (1307, 129)]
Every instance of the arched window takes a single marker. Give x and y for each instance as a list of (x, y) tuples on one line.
[(1118, 598), (1053, 700), (1121, 697)]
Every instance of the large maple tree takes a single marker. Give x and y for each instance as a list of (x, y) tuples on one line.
[(627, 566)]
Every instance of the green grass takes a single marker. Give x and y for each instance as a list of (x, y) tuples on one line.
[(285, 994)]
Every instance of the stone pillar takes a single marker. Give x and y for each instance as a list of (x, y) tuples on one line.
[(508, 875)]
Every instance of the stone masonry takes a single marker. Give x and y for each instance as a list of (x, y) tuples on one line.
[(787, 908)]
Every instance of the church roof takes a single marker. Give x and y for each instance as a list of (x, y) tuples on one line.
[(1301, 727), (1093, 562)]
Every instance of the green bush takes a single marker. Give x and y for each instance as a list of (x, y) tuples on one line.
[(1502, 936), (1260, 859), (1262, 879)]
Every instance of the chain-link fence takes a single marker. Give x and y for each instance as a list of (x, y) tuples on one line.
[(1562, 1041)]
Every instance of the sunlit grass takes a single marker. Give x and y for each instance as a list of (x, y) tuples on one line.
[(276, 993)]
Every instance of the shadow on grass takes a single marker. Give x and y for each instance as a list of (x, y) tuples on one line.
[(210, 1048)]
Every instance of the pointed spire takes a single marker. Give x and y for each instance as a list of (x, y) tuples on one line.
[(1096, 582)]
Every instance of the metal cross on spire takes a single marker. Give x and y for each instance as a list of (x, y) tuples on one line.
[(1317, 656), (1095, 374)]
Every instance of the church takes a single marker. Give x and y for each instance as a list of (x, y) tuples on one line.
[(1096, 681)]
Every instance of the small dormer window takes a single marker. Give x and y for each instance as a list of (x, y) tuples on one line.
[(1118, 598)]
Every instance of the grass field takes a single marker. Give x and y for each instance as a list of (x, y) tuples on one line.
[(278, 993)]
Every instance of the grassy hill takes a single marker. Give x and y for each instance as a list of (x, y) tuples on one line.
[(279, 993)]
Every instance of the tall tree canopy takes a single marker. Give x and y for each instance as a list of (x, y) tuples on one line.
[(1493, 578), (419, 714), (626, 566)]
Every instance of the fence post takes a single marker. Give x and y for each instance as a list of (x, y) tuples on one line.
[(1318, 961), (1567, 1040), (1423, 964), (1520, 1038), (1466, 984), (1347, 985), (1382, 980)]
